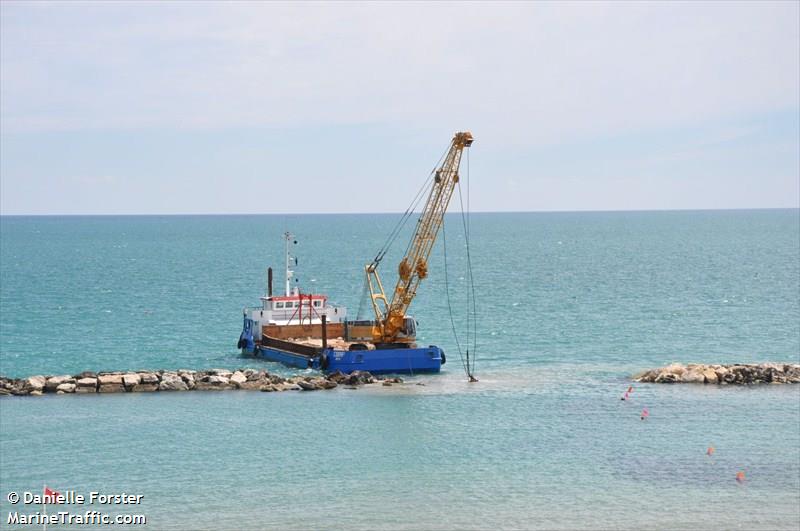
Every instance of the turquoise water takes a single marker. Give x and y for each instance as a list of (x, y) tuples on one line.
[(570, 304)]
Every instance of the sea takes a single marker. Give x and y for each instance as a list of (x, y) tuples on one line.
[(567, 307)]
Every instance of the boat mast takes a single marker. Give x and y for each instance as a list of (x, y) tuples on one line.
[(288, 236)]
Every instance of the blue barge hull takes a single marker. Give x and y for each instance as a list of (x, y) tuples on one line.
[(379, 361)]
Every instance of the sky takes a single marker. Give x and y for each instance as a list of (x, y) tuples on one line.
[(262, 107)]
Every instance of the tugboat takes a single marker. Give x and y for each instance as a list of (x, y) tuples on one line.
[(304, 330), (291, 315)]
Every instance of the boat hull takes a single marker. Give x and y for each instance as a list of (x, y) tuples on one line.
[(380, 361)]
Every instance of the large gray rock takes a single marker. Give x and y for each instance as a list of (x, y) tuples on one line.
[(66, 387), (54, 381), (130, 379), (238, 378), (693, 376), (111, 388), (170, 381), (710, 376), (666, 377), (253, 385), (87, 382), (221, 372), (35, 383), (107, 379), (149, 377), (308, 386), (213, 383), (144, 388)]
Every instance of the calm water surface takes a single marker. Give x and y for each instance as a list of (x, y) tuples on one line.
[(569, 304)]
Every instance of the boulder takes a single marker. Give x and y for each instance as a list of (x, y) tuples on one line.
[(666, 377), (337, 377), (674, 368), (693, 376), (130, 379), (220, 372), (107, 379), (329, 384), (83, 389), (86, 374), (66, 388), (308, 386), (35, 383), (87, 382), (710, 376), (148, 377), (170, 381), (238, 378), (252, 385), (144, 388), (213, 383), (54, 381), (111, 388), (36, 392), (188, 378), (646, 376), (255, 376)]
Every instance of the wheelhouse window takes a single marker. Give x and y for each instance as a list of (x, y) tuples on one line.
[(317, 303), (279, 305)]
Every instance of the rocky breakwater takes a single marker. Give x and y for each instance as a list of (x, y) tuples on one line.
[(183, 380), (741, 374)]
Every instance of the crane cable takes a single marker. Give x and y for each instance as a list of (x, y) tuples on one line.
[(471, 283), (398, 229), (449, 305), (467, 364), (409, 211)]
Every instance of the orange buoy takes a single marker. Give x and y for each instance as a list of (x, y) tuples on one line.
[(710, 451), (740, 476)]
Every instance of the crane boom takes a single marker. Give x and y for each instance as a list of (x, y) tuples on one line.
[(390, 315)]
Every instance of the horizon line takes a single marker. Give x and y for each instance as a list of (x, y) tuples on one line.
[(176, 214)]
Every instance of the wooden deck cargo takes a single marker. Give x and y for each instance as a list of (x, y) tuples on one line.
[(313, 331)]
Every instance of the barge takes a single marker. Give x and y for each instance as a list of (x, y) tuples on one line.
[(306, 331)]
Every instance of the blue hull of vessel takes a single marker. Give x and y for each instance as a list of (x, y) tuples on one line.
[(382, 361)]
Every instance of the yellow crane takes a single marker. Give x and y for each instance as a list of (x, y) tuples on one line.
[(390, 316)]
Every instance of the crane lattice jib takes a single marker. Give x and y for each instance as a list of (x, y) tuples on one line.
[(414, 266)]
